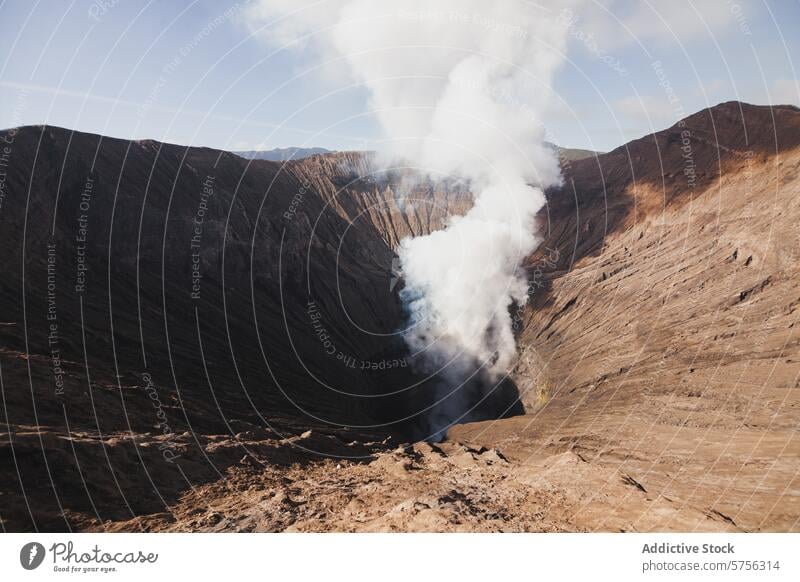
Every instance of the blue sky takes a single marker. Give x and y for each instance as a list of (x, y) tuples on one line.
[(198, 73)]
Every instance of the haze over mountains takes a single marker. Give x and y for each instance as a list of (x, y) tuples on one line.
[(281, 154), (296, 153), (186, 334)]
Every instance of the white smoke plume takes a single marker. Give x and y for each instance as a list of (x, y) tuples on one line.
[(460, 88)]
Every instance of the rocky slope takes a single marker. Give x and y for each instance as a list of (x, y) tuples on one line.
[(658, 356), (151, 290), (661, 338)]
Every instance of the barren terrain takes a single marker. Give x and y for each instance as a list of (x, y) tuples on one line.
[(659, 356)]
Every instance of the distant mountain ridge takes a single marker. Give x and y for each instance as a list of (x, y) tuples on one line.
[(282, 154), (295, 153), (575, 154)]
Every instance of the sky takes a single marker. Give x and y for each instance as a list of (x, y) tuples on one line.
[(220, 73)]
